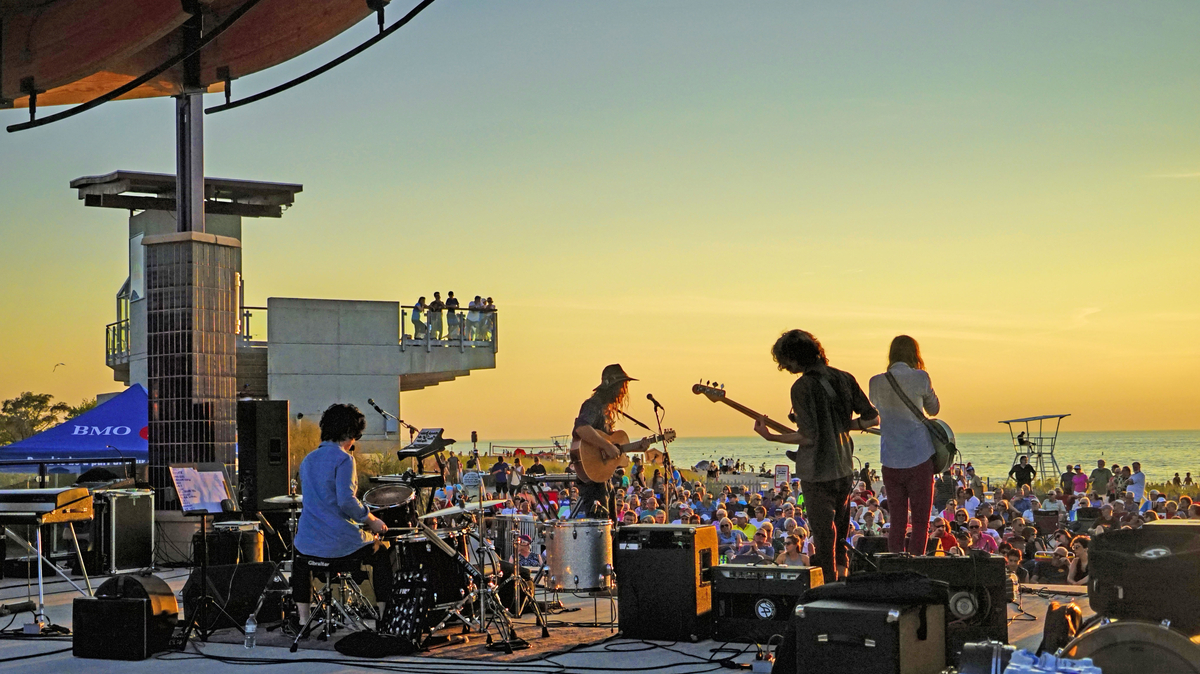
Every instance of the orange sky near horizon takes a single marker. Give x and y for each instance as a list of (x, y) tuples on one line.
[(670, 186)]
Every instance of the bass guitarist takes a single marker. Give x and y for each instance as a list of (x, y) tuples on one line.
[(597, 415), (824, 401)]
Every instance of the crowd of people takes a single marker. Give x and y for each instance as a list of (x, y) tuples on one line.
[(477, 323)]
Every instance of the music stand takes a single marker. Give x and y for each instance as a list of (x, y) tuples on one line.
[(200, 496)]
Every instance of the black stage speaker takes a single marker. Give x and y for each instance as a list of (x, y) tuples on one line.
[(236, 588), (753, 602), (264, 469), (1151, 573), (978, 609), (844, 636), (664, 577), (131, 618)]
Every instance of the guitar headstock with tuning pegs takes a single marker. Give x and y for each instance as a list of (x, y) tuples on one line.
[(709, 389)]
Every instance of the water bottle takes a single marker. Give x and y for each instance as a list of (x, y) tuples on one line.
[(251, 631)]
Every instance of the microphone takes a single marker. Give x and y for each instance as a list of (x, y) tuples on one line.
[(371, 402), (657, 405)]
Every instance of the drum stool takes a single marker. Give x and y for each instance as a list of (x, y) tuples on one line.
[(340, 603)]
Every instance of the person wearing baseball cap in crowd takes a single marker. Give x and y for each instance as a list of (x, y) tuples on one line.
[(525, 556)]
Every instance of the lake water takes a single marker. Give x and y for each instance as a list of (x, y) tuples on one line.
[(1161, 453)]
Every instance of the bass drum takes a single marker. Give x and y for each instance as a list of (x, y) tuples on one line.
[(579, 554), (1137, 647)]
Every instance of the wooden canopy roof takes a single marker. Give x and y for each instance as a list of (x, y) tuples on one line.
[(71, 51)]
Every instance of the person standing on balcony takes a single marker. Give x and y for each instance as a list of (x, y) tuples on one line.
[(489, 318), (419, 326), (473, 318), (435, 315), (452, 317)]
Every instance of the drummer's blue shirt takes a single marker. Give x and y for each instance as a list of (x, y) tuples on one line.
[(329, 523)]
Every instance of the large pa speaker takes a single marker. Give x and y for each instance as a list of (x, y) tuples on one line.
[(236, 588), (664, 579), (264, 469), (1151, 573), (131, 618), (978, 609)]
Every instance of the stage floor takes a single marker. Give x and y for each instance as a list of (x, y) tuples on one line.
[(596, 650)]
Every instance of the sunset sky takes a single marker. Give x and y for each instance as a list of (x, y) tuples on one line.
[(670, 184)]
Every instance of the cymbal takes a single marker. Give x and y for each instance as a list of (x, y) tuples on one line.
[(464, 509), (285, 499)]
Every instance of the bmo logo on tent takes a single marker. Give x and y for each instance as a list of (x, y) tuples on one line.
[(101, 430)]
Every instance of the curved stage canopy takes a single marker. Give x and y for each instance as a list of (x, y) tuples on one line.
[(71, 51)]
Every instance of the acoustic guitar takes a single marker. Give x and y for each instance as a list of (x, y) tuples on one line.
[(590, 462), (715, 394)]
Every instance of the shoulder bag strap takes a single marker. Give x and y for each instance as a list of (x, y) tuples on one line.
[(907, 401), (938, 432)]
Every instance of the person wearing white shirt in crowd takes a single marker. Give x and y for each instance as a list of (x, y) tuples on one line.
[(1137, 483), (1034, 505), (972, 501), (1052, 503)]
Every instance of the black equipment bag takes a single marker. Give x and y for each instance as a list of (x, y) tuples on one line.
[(1151, 573), (408, 609), (895, 587), (870, 638)]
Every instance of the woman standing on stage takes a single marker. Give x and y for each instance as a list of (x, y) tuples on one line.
[(904, 444)]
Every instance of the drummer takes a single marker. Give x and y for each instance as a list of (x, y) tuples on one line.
[(332, 520)]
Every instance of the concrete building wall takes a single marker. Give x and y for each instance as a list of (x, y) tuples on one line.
[(327, 351)]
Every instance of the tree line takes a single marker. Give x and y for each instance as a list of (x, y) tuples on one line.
[(31, 413)]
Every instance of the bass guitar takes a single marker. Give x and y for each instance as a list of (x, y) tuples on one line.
[(591, 462), (715, 394)]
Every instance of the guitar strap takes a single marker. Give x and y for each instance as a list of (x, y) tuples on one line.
[(624, 414)]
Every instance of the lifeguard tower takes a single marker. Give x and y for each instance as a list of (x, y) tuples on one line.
[(1033, 437)]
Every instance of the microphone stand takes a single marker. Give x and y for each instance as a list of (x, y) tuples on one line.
[(668, 469)]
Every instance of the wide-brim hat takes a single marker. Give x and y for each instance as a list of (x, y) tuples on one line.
[(613, 374)]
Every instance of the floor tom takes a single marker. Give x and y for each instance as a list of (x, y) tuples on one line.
[(579, 554)]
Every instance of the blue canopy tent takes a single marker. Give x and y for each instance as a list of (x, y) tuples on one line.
[(115, 429)]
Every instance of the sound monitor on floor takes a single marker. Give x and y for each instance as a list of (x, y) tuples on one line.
[(236, 588), (664, 577), (130, 618), (1151, 573)]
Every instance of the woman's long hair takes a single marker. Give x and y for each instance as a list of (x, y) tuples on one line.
[(905, 350), (615, 397)]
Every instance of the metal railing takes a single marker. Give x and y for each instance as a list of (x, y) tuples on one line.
[(466, 329), (116, 343), (253, 324)]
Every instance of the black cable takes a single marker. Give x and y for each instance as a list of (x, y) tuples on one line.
[(324, 68), (137, 82), (34, 655)]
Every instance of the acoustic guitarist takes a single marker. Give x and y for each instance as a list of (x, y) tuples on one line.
[(596, 416)]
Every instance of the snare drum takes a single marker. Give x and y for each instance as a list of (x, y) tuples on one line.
[(579, 554), (395, 504), (446, 580)]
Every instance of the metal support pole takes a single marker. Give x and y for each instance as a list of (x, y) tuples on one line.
[(189, 162)]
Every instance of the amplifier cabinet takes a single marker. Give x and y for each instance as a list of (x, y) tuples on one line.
[(754, 602), (840, 636), (664, 579)]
